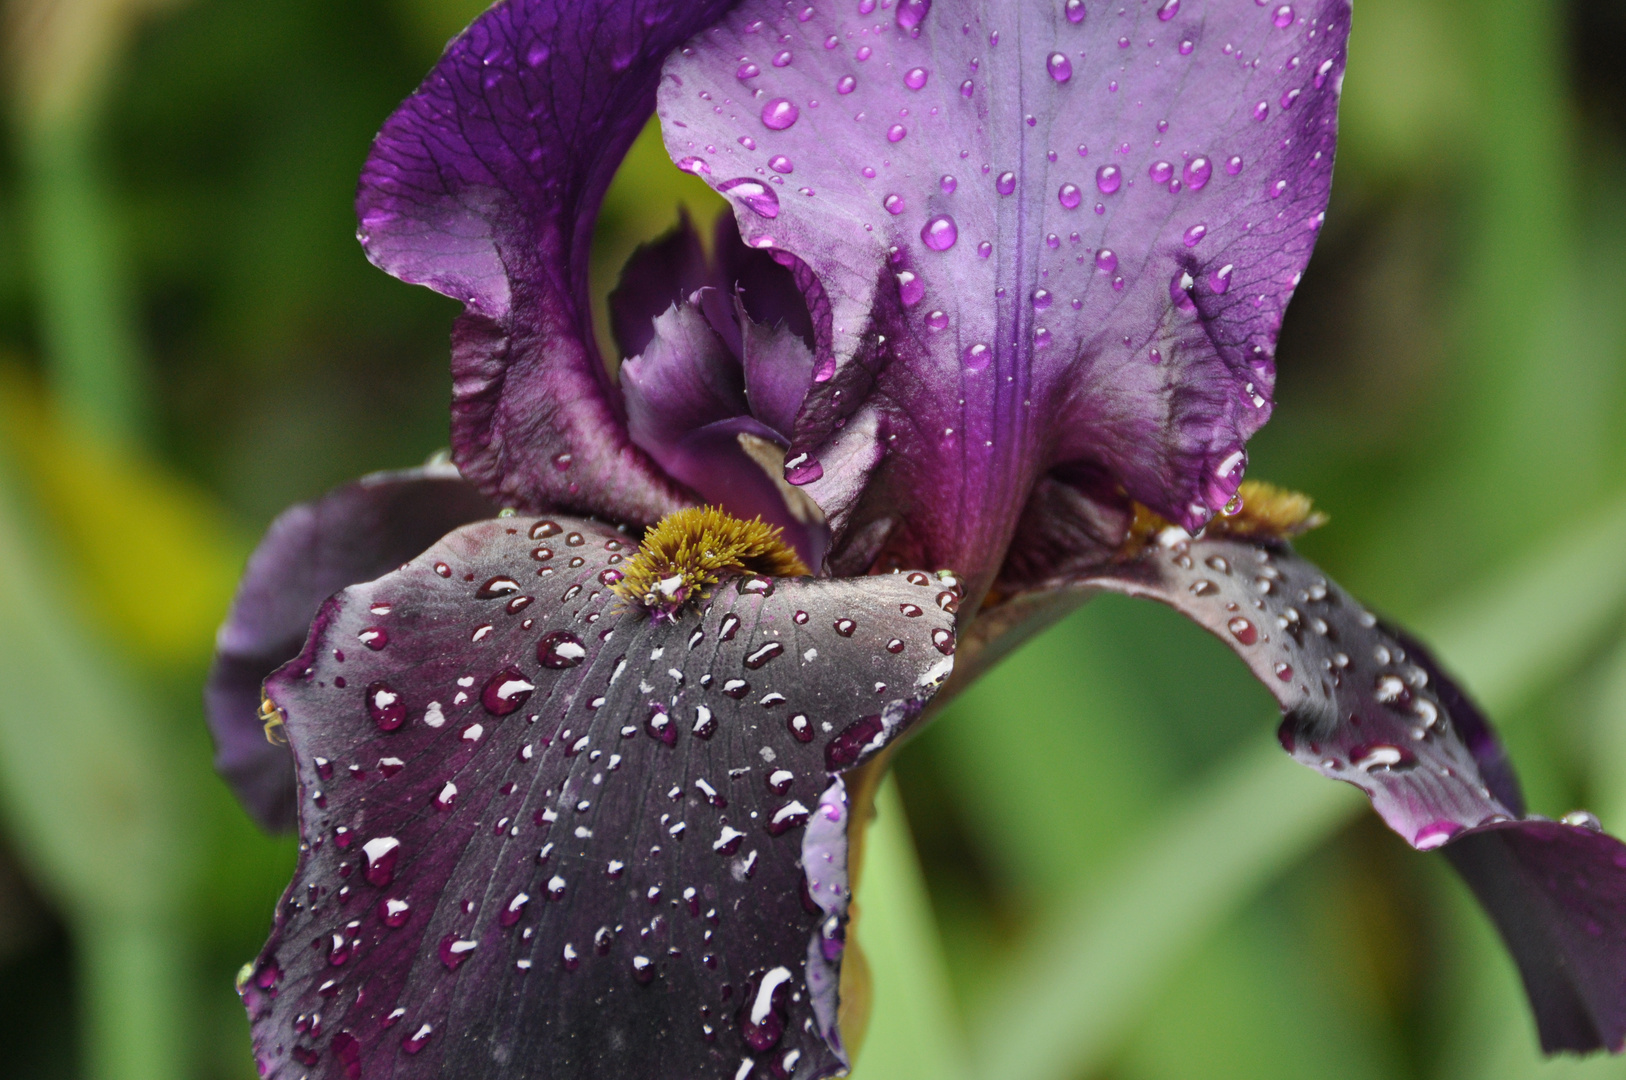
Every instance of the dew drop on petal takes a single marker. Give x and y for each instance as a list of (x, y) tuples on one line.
[(939, 233), (1161, 172), (915, 78), (1194, 234), (1060, 68), (779, 163), (1233, 165), (978, 356), (896, 132), (1197, 172), (757, 196), (1005, 183), (967, 88), (747, 71), (911, 290), (947, 184), (1108, 178), (779, 114), (894, 204), (846, 84), (1106, 261), (1220, 280), (1169, 10), (1070, 196), (1075, 11), (1283, 17), (937, 320), (911, 13)]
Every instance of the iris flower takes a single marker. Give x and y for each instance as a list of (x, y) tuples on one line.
[(580, 738)]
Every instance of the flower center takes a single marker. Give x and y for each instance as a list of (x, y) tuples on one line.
[(691, 550)]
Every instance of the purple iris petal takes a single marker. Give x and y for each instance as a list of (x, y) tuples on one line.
[(658, 275), (1369, 706), (484, 186), (580, 851), (1557, 892), (1157, 390), (354, 533)]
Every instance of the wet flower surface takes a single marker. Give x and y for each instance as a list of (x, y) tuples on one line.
[(989, 331)]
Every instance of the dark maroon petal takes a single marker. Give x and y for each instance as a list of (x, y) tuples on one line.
[(353, 533), (658, 275), (484, 186), (1557, 892), (1366, 704), (555, 837), (1360, 703), (1038, 242)]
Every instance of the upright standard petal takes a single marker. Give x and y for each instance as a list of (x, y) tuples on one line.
[(1367, 705), (351, 534), (1043, 241), (546, 835), (484, 186)]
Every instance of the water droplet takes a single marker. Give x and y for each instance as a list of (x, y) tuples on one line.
[(454, 950), (511, 912), (937, 320), (967, 88), (1169, 10), (763, 654), (1194, 234), (985, 249), (915, 78), (394, 913), (779, 114), (1243, 630), (1197, 172), (939, 233), (911, 13), (1060, 68), (894, 204), (1277, 188), (782, 58), (1005, 183), (1582, 819), (1042, 299), (779, 163), (1233, 165), (846, 84), (1106, 261), (1070, 196), (1283, 17), (385, 706), (382, 852), (501, 585), (1161, 172), (747, 71), (1220, 280), (1108, 178), (910, 288), (505, 691), (560, 649), (757, 196), (1075, 11), (1284, 672), (977, 357), (896, 132)]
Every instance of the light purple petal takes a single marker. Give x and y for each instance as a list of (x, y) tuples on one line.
[(354, 533), (983, 321), (546, 835), (484, 186), (1367, 705)]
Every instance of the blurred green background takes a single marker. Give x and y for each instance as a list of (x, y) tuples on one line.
[(1113, 871)]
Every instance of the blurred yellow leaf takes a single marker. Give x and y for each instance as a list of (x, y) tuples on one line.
[(154, 558)]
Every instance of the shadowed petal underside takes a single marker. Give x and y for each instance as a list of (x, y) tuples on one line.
[(546, 835)]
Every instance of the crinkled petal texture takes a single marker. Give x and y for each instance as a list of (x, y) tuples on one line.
[(353, 533), (1042, 239), (548, 836), (1366, 705), (484, 186)]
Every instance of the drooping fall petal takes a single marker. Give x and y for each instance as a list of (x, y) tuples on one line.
[(1367, 705), (1043, 240), (546, 835), (354, 533)]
